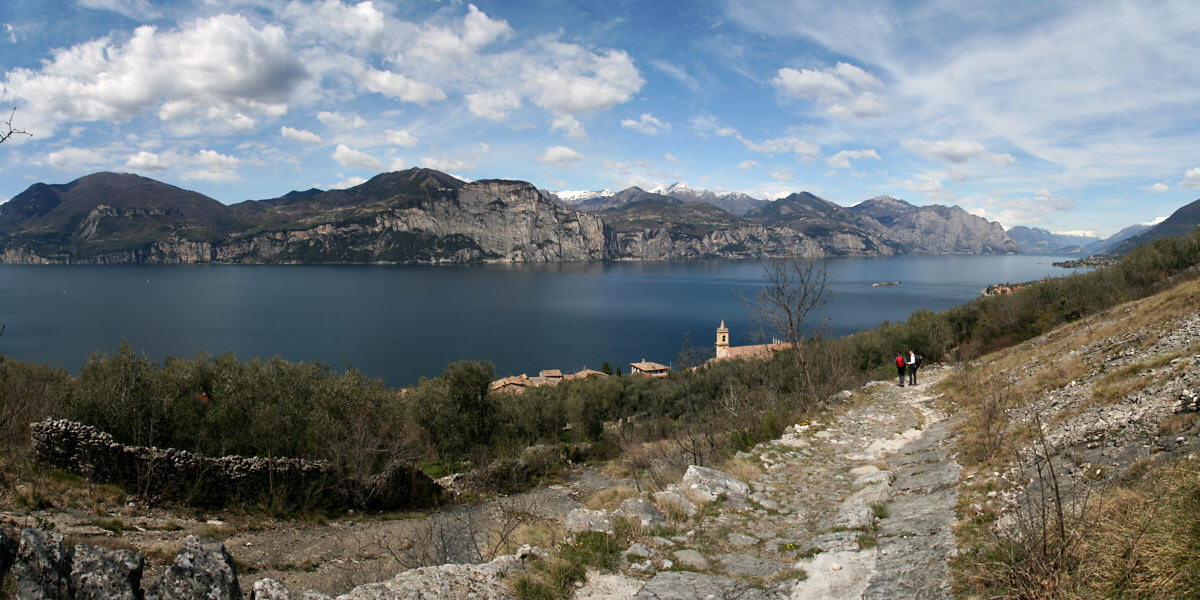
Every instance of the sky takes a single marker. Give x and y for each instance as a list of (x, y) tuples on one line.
[(1069, 116)]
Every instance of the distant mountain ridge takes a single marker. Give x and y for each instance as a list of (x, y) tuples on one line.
[(1182, 221), (425, 216)]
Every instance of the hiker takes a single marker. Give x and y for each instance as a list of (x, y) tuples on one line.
[(914, 361), (900, 364)]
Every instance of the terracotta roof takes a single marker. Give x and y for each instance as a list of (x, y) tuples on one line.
[(584, 374), (649, 367), (551, 373)]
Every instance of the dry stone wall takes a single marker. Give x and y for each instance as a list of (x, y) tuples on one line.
[(181, 476)]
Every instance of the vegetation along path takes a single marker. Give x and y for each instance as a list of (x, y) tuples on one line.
[(857, 504)]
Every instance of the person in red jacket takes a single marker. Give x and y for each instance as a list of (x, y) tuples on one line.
[(900, 367)]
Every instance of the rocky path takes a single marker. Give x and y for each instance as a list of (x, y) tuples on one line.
[(861, 501)]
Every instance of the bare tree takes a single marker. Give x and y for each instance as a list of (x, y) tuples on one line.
[(8, 130), (793, 287)]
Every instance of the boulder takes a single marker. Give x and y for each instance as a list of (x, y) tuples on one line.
[(269, 589), (105, 573), (670, 500), (582, 519), (42, 566), (644, 513), (709, 484), (202, 569)]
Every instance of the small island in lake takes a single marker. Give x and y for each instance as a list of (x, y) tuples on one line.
[(885, 283)]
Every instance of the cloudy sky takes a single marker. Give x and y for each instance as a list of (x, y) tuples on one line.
[(1072, 116)]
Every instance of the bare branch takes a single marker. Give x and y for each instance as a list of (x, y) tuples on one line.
[(8, 130)]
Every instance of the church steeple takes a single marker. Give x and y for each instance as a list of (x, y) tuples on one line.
[(722, 340)]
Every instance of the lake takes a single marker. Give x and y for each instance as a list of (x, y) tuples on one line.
[(406, 322)]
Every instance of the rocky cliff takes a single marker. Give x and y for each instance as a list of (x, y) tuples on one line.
[(425, 217), (936, 229)]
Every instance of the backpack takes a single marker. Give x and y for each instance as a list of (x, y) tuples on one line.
[(917, 360), (899, 361)]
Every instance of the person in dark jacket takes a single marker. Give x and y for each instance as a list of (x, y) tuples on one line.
[(900, 366), (913, 363)]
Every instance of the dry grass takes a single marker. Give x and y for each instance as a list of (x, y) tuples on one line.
[(610, 498), (1140, 539), (745, 469)]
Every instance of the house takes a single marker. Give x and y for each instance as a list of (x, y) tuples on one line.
[(585, 373), (551, 374), (649, 369), (511, 385), (758, 351)]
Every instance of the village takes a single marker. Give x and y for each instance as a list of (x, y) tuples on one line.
[(516, 384)]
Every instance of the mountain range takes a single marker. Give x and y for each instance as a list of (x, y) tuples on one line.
[(425, 216)]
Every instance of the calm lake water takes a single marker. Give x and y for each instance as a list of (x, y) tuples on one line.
[(406, 322)]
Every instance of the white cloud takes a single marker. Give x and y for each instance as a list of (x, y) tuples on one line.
[(349, 157), (646, 124), (361, 24), (399, 86), (1078, 232), (1191, 179), (219, 69), (76, 159), (447, 164), (843, 91), (567, 79), (134, 9), (570, 127), (1158, 188), (300, 135), (781, 174), (671, 158), (347, 182), (493, 105), (1022, 211), (340, 121), (146, 161), (955, 151), (441, 45), (748, 164), (842, 159), (402, 138), (932, 189), (803, 150), (704, 124), (677, 74), (561, 157), (216, 161)]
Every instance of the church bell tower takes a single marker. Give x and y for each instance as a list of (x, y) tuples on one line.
[(722, 340)]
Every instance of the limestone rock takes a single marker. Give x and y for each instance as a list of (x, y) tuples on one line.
[(750, 566), (642, 512), (640, 550), (691, 559), (41, 567), (709, 484), (443, 582), (106, 574), (269, 589), (582, 519), (202, 569), (670, 500)]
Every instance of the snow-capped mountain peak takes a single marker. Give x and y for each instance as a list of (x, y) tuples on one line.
[(577, 196)]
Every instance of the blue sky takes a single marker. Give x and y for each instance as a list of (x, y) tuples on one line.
[(1071, 116)]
